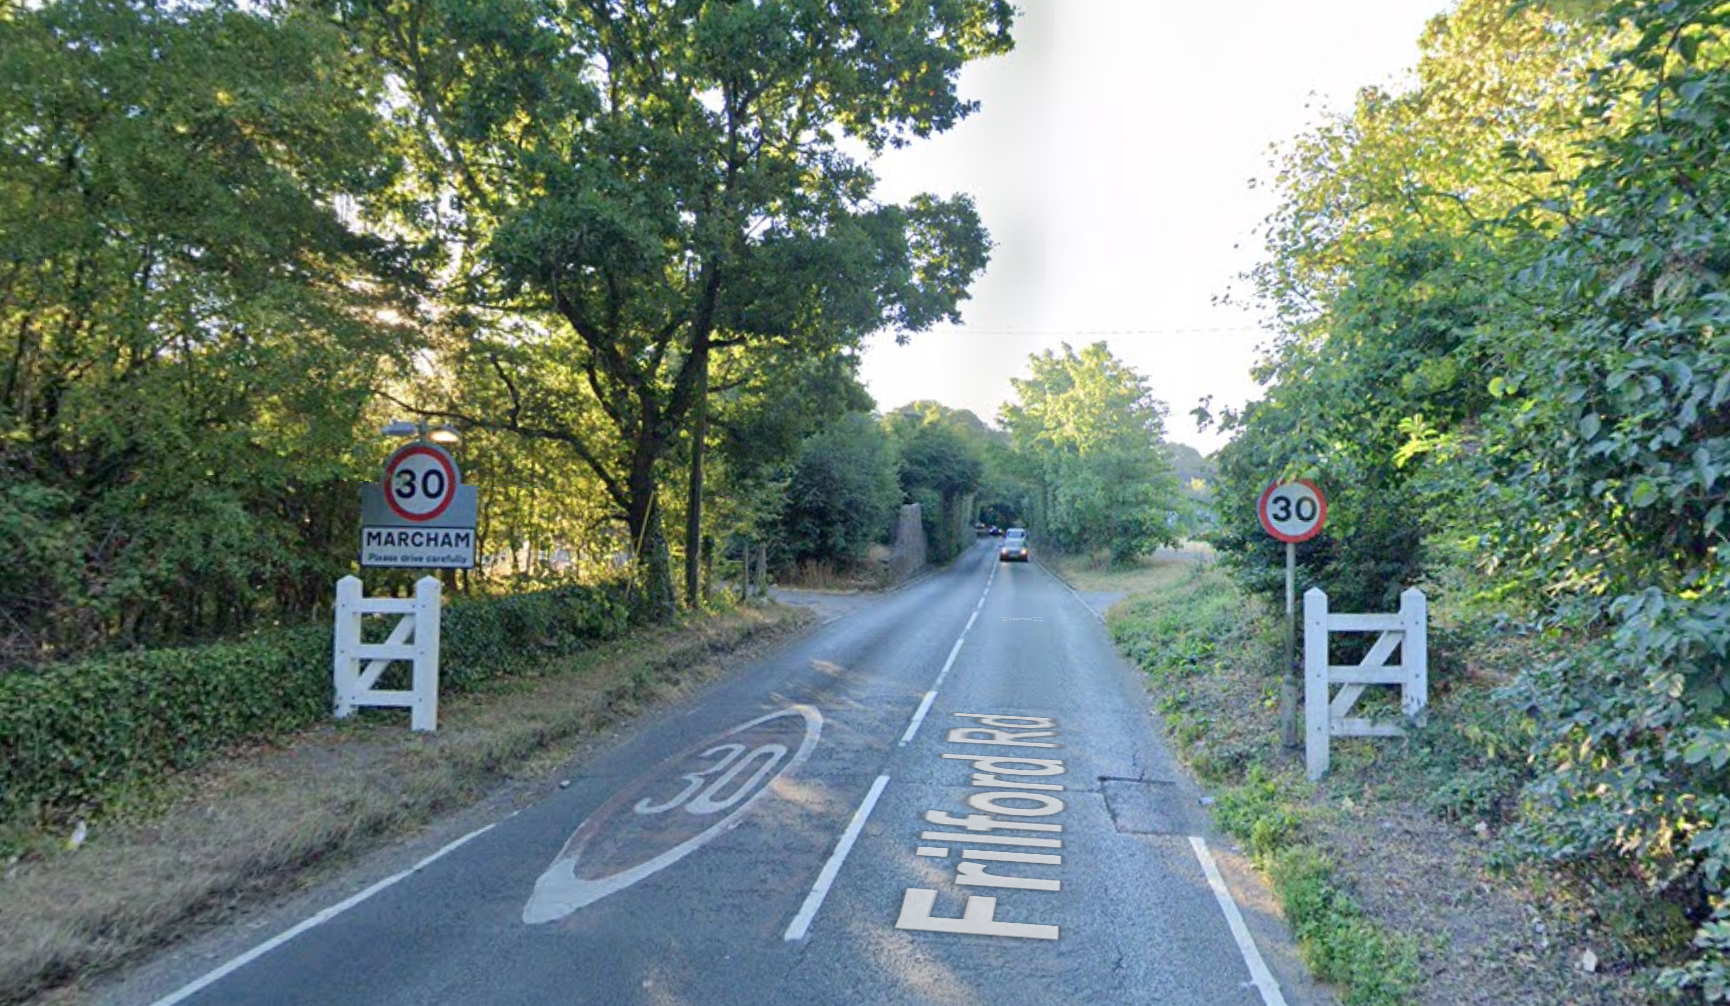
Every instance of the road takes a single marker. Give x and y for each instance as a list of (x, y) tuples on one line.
[(951, 794)]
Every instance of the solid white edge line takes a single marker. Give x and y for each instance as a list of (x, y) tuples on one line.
[(1096, 614), (324, 916), (801, 923), (1258, 972), (918, 718)]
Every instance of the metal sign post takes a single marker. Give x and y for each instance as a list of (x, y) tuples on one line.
[(1291, 512)]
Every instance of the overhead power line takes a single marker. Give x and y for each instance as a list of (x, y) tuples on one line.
[(970, 330)]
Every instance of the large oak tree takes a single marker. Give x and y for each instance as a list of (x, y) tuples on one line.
[(662, 181)]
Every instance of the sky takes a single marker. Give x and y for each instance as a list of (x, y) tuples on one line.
[(1111, 160)]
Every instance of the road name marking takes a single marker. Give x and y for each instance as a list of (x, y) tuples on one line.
[(801, 923), (1021, 805), (212, 977)]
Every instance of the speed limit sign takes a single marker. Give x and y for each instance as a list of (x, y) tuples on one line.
[(1292, 511), (420, 481)]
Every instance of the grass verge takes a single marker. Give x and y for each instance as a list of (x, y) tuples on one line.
[(254, 824), (1391, 872)]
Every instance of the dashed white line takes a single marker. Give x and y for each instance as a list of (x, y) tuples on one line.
[(918, 718), (1259, 974), (801, 923), (332, 912)]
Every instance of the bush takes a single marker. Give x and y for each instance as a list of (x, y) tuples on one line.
[(74, 735)]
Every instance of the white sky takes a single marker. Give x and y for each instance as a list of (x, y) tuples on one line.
[(1111, 161)]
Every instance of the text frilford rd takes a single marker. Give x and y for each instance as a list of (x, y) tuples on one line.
[(1017, 795)]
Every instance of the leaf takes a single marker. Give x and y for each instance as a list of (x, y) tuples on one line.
[(1645, 494), (1589, 425)]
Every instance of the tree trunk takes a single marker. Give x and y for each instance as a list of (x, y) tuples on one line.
[(694, 504), (643, 517)]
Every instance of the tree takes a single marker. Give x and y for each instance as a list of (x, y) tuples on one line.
[(667, 181), (941, 463), (1093, 432), (188, 322), (843, 495)]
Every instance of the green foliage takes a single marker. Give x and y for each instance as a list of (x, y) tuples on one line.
[(1178, 632), (1341, 946), (649, 188), (1091, 432), (941, 464), (74, 736), (1513, 356), (188, 324), (843, 493), (1257, 811), (1338, 943)]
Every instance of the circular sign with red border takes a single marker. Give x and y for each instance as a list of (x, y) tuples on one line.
[(420, 481), (1292, 511)]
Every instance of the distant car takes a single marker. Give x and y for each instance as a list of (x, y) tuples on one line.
[(1014, 546), (995, 532)]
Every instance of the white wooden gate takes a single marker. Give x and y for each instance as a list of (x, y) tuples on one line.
[(1326, 715), (415, 639)]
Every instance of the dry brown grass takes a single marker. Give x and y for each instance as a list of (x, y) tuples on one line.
[(250, 826), (1147, 574)]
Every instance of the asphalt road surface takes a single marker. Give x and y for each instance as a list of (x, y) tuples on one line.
[(951, 794)]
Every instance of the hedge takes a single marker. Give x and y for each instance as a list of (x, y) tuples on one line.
[(74, 735)]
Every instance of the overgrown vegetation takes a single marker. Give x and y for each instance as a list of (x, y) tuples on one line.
[(1507, 367), (1338, 854), (1185, 634), (1371, 966)]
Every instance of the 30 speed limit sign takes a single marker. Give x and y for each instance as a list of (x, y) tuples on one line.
[(1292, 511), (420, 481)]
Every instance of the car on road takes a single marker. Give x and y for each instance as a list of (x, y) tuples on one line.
[(1014, 547)]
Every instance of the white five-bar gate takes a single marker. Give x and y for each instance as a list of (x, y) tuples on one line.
[(1325, 715), (414, 639)]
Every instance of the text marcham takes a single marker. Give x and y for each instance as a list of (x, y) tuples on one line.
[(1010, 841)]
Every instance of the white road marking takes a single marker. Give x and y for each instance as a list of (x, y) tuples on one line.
[(918, 718), (930, 696), (325, 916), (560, 891), (1261, 977), (801, 923), (1078, 597), (947, 664)]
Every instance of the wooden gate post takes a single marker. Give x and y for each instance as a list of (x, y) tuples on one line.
[(1315, 682)]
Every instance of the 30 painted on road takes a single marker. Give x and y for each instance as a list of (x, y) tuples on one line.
[(672, 811)]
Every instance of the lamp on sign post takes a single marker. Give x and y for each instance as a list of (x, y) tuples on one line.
[(423, 431)]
